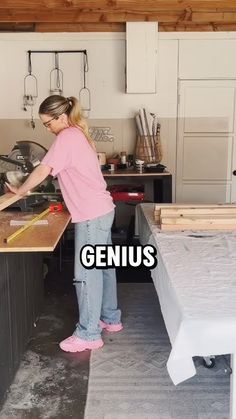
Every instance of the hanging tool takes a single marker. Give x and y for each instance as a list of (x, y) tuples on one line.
[(56, 78), (30, 90), (52, 208), (84, 93)]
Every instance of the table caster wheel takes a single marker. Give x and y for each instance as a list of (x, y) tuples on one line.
[(209, 362)]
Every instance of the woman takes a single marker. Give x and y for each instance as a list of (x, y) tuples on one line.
[(73, 159)]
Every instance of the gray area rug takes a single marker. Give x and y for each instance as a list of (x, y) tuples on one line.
[(128, 376)]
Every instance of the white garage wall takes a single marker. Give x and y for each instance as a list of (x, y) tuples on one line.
[(111, 105), (106, 77), (180, 55)]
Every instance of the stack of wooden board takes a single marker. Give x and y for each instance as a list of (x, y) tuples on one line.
[(196, 217)]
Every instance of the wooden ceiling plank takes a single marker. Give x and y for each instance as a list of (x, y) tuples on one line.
[(207, 17), (218, 26), (111, 15), (214, 17), (147, 6), (74, 17), (117, 18), (114, 27), (80, 27)]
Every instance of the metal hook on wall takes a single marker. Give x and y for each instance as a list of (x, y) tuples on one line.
[(30, 90), (30, 86), (56, 78), (84, 93), (31, 93)]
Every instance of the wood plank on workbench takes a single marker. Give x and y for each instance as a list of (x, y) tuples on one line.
[(195, 217), (183, 212), (161, 209), (201, 219), (199, 226), (158, 207), (8, 199)]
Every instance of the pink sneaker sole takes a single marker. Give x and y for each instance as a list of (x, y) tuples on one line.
[(111, 327), (75, 344)]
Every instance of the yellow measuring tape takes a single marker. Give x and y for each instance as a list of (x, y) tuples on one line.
[(27, 225)]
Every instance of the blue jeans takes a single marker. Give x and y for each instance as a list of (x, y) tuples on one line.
[(96, 289)]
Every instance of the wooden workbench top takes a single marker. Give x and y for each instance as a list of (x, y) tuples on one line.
[(37, 238)]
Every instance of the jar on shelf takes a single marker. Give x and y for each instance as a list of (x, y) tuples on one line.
[(130, 160), (123, 158)]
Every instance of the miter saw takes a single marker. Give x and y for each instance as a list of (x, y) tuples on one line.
[(16, 167)]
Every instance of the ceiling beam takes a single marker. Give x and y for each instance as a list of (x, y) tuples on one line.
[(103, 17), (111, 15), (181, 26), (80, 27), (118, 5)]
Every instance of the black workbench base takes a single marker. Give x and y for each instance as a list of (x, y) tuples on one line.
[(21, 297)]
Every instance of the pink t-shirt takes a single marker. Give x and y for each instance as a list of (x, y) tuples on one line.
[(77, 168)]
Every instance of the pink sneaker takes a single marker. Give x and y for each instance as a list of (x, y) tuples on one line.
[(75, 344), (111, 327)]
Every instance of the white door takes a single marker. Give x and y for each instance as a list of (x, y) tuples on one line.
[(206, 141)]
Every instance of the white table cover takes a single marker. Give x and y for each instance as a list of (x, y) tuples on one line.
[(195, 281)]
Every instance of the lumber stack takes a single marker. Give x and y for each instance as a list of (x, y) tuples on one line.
[(196, 217)]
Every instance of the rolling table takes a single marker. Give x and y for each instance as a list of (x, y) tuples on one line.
[(21, 285), (195, 280)]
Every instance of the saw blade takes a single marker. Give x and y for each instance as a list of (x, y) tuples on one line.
[(16, 155), (32, 151), (25, 156), (15, 177)]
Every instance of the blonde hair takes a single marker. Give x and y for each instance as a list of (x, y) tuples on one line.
[(56, 105)]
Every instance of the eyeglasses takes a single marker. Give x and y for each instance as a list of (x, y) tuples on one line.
[(48, 123)]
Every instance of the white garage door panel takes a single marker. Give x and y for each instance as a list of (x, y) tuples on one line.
[(207, 58), (206, 143), (209, 109), (205, 194), (211, 157)]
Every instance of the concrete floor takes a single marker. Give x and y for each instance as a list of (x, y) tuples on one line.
[(49, 382)]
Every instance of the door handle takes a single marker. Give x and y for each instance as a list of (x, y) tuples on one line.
[(234, 172)]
